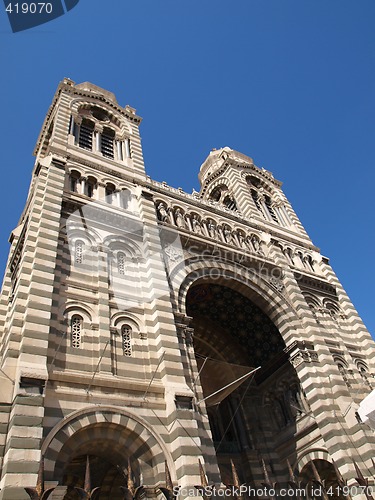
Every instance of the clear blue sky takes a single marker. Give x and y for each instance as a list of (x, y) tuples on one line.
[(288, 82)]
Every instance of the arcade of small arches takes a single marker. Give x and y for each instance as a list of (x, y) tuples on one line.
[(210, 228), (328, 313), (91, 187)]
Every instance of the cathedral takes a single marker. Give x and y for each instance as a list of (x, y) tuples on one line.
[(151, 338)]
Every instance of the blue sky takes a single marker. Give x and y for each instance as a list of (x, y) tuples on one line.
[(288, 82)]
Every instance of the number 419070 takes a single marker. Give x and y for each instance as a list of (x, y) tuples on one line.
[(29, 8)]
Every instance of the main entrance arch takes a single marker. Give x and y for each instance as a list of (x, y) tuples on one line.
[(255, 424)]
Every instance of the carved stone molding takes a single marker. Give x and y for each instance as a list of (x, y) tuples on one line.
[(277, 283), (301, 352), (184, 332)]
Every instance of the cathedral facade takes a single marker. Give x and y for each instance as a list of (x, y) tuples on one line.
[(145, 329)]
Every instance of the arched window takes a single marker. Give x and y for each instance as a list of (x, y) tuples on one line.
[(216, 194), (126, 332), (78, 252), (363, 371), (254, 195), (90, 187), (106, 143), (229, 203), (110, 193), (76, 331), (262, 200), (288, 252), (268, 203), (86, 131), (74, 181), (220, 194), (121, 263), (343, 371)]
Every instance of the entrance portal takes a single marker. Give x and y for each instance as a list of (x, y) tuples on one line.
[(259, 417), (110, 448)]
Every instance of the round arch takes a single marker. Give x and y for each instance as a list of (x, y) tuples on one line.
[(310, 455), (247, 282), (127, 434), (235, 321)]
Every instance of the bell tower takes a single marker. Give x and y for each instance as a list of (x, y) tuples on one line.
[(231, 179)]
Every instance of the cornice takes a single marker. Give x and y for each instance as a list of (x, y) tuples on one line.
[(99, 97), (316, 284)]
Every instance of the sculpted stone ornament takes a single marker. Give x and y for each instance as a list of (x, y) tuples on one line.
[(174, 254), (162, 212), (212, 229), (180, 222), (227, 234), (277, 283), (196, 225), (241, 240)]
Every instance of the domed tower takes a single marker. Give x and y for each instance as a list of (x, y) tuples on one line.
[(231, 179)]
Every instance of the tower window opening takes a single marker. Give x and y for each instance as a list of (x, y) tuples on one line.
[(76, 332), (127, 148), (126, 332), (74, 181), (86, 131), (344, 373), (364, 374), (268, 202), (216, 194), (254, 195), (230, 203), (110, 193), (107, 139), (90, 187)]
